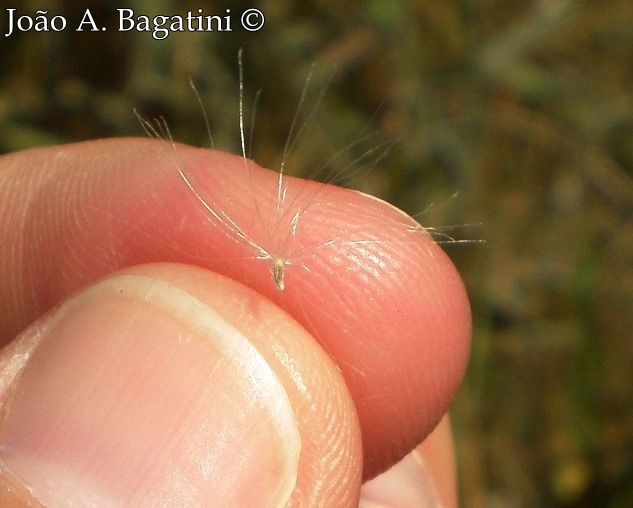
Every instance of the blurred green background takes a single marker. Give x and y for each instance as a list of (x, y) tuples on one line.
[(524, 108)]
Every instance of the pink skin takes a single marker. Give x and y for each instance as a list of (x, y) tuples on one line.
[(384, 302)]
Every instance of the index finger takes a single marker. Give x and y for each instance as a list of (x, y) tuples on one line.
[(383, 300)]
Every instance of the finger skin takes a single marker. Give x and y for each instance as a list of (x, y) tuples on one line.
[(438, 453), (384, 302), (425, 477), (126, 346)]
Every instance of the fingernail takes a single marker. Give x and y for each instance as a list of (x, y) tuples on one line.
[(136, 393), (407, 484)]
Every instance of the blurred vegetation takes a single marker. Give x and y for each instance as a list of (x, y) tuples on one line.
[(525, 108)]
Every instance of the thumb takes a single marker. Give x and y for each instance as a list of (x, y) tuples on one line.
[(168, 385)]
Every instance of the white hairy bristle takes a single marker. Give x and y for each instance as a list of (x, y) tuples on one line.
[(281, 220)]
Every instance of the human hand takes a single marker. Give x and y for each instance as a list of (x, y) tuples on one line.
[(166, 384)]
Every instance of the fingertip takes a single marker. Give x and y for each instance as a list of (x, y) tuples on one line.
[(172, 384), (424, 478), (386, 304)]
